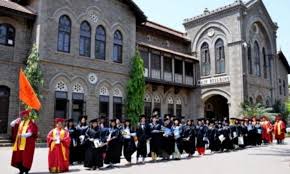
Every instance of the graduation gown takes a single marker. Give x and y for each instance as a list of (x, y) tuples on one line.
[(58, 154), (226, 144), (23, 148), (212, 137), (73, 155), (234, 133), (93, 155), (201, 133), (167, 143), (156, 136), (142, 134), (267, 132), (188, 139), (279, 130), (81, 148), (113, 147), (129, 144), (178, 149)]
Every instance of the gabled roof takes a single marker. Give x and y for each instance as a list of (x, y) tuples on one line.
[(251, 3), (140, 16), (167, 30), (13, 6), (283, 59)]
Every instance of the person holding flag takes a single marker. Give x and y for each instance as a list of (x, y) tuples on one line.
[(25, 129)]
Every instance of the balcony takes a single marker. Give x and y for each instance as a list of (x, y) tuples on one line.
[(188, 80), (155, 74), (178, 78), (146, 72), (168, 76)]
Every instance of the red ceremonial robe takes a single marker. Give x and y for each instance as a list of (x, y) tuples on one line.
[(279, 130), (23, 148), (58, 155), (267, 131)]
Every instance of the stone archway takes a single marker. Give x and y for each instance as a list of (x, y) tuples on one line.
[(216, 107), (4, 108)]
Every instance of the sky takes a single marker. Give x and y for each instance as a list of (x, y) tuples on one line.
[(171, 13)]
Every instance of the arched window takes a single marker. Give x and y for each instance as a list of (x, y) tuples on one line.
[(7, 35), (250, 65), (85, 39), (118, 47), (205, 59), (220, 56), (259, 99), (100, 43), (265, 65), (257, 59), (64, 34)]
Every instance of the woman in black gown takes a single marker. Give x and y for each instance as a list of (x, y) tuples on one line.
[(188, 138), (93, 155), (142, 134), (128, 141), (156, 135), (73, 155), (113, 145)]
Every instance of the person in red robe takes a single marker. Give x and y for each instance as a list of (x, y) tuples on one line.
[(267, 129), (24, 145), (279, 130), (58, 141)]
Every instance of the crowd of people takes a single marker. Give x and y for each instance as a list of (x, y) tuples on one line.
[(100, 143)]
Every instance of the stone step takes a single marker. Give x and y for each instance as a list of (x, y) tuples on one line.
[(5, 141), (9, 144)]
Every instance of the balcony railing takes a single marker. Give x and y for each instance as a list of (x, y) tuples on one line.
[(188, 80), (178, 78), (156, 74), (168, 76)]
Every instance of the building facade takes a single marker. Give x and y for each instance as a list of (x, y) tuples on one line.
[(226, 56)]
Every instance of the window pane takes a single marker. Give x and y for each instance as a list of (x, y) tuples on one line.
[(100, 50), (147, 109), (145, 57), (3, 34), (64, 32), (156, 62), (171, 109), (188, 69), (178, 110), (167, 64), (117, 107), (85, 39), (104, 106), (178, 66)]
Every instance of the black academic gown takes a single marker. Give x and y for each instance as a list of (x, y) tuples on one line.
[(234, 132), (73, 155), (188, 139), (258, 134), (226, 144), (113, 147), (81, 129), (212, 137), (129, 146), (167, 143), (93, 155), (156, 135), (142, 134), (201, 133)]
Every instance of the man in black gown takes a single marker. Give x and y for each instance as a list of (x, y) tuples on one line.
[(143, 135)]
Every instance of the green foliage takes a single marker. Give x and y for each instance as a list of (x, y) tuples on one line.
[(254, 110), (135, 90), (34, 75)]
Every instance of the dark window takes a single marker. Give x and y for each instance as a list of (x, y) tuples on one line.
[(7, 35), (147, 109), (250, 67), (257, 59), (178, 111), (85, 39), (284, 88), (220, 56), (64, 34), (178, 66), (167, 64), (171, 109), (265, 64), (78, 105), (104, 106), (157, 108), (156, 62), (61, 104), (188, 69), (117, 107), (205, 59), (118, 47), (100, 43), (145, 57)]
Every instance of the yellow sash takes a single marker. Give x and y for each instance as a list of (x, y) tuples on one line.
[(279, 127), (20, 142), (63, 149)]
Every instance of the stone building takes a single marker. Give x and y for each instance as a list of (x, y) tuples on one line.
[(226, 56)]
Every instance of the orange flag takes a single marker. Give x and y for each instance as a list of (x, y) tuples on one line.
[(26, 92)]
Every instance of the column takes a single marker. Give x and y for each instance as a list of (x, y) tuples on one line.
[(173, 69), (149, 62), (183, 72), (162, 67)]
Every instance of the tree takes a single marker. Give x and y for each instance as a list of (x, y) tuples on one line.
[(34, 75), (254, 110), (135, 90)]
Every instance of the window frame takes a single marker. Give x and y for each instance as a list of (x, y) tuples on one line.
[(220, 56), (205, 59), (87, 53), (64, 33), (101, 39), (6, 36), (118, 44)]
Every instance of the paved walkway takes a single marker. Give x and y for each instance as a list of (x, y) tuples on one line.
[(273, 159)]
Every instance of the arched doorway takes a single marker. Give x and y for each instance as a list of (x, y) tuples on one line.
[(4, 108), (216, 107)]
